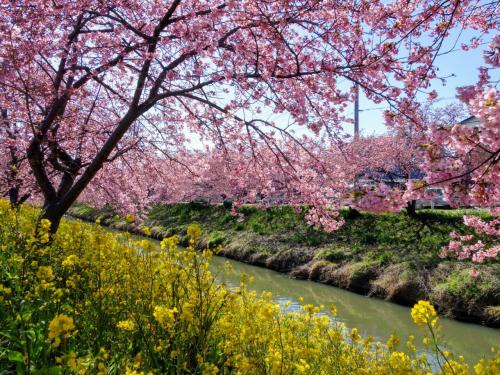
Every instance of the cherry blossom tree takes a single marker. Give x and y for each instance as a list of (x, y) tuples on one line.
[(15, 180), (89, 81), (463, 160)]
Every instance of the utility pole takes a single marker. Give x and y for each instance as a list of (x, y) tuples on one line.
[(356, 111)]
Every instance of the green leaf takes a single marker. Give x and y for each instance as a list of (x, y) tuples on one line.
[(15, 356), (31, 334), (48, 371)]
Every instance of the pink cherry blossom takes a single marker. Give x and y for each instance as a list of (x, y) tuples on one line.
[(109, 102)]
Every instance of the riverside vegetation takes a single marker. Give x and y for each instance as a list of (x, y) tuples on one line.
[(91, 301), (392, 256)]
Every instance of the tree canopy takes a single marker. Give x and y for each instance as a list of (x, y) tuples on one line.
[(101, 98)]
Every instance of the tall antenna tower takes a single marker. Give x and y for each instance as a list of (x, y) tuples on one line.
[(356, 111)]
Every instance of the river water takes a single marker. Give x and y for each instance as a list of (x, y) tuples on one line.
[(372, 317)]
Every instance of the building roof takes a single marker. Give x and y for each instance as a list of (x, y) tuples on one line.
[(470, 121)]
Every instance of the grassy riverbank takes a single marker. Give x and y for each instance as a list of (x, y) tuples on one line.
[(391, 256)]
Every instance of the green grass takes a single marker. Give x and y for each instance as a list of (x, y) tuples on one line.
[(385, 238), (459, 283)]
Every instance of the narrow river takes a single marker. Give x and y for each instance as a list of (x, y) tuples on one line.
[(371, 316)]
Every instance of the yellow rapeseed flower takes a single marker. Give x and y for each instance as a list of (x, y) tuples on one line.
[(129, 371), (423, 313), (333, 310), (45, 224), (164, 315), (410, 345), (45, 273), (126, 325), (44, 230), (169, 243), (393, 342), (68, 360), (5, 290), (400, 363), (194, 231), (302, 367), (70, 260), (61, 326), (355, 337), (488, 366)]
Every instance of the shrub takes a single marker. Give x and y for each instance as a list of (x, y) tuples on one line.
[(333, 255), (216, 238), (457, 281), (92, 301)]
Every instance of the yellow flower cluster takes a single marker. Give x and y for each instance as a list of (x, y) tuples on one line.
[(130, 218), (126, 325), (194, 232), (489, 366), (164, 315), (393, 342), (147, 309), (69, 360), (4, 292), (424, 314), (44, 231), (70, 261), (147, 231), (134, 372), (60, 328)]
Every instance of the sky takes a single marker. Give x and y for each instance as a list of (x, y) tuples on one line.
[(462, 69)]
